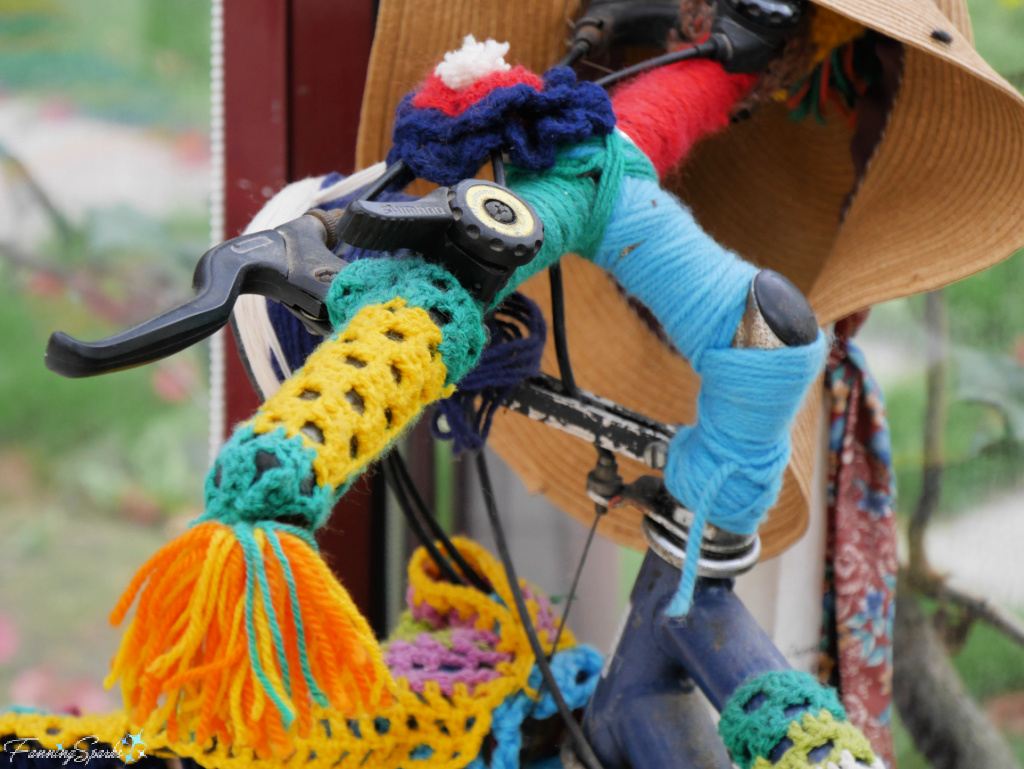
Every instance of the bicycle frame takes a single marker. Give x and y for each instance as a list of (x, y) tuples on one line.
[(646, 710)]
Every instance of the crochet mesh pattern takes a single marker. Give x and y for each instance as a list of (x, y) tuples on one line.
[(424, 728)]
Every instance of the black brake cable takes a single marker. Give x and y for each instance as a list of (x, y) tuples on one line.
[(600, 510), (558, 328), (579, 49), (583, 749), (392, 476), (706, 50), (472, 575), (557, 302)]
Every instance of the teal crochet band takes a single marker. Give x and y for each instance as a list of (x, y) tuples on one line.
[(259, 477), (378, 281), (758, 715)]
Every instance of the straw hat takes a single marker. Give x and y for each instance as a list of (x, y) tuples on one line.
[(942, 198)]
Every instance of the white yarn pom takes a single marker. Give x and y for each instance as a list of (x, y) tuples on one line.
[(471, 62)]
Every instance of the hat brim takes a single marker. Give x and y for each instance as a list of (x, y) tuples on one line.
[(939, 201)]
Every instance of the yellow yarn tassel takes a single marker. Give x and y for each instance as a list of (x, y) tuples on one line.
[(242, 633), (829, 30), (192, 663)]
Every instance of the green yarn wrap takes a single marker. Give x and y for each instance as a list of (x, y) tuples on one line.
[(420, 284), (754, 719), (575, 199), (815, 731)]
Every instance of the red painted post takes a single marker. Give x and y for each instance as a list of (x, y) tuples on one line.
[(294, 73)]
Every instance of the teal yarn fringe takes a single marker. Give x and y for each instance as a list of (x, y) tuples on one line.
[(300, 632), (755, 719), (255, 571)]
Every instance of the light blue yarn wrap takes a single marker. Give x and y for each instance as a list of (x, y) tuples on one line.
[(727, 467)]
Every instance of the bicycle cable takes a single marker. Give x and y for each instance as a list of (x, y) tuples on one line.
[(600, 510), (558, 329), (583, 748), (392, 476), (472, 575), (557, 301), (706, 50), (579, 49)]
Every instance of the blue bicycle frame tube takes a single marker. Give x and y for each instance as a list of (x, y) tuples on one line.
[(646, 712)]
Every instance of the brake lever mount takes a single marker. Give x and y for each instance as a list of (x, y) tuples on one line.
[(479, 231)]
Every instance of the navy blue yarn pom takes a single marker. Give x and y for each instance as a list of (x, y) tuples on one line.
[(517, 332), (527, 124)]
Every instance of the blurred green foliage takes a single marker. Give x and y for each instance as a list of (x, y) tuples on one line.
[(125, 60), (94, 471)]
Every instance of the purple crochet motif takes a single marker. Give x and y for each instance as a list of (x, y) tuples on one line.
[(547, 622), (469, 660), (526, 123)]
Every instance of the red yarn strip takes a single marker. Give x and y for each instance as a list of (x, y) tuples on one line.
[(667, 110), (454, 102)]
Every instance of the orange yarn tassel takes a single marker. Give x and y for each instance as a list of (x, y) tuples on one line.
[(240, 632)]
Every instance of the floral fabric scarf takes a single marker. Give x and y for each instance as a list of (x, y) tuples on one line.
[(861, 552)]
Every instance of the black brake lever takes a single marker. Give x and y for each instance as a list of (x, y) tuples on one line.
[(481, 232), (291, 264)]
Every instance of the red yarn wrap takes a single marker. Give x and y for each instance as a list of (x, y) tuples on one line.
[(667, 110), (454, 102)]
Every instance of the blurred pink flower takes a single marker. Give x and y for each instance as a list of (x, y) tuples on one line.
[(192, 147), (45, 284), (57, 109), (8, 638), (85, 696), (32, 687), (40, 687)]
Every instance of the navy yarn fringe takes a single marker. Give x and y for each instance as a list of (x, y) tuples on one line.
[(526, 123), (517, 333)]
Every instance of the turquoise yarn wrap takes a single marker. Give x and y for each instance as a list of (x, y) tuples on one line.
[(757, 716), (727, 468), (576, 198)]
